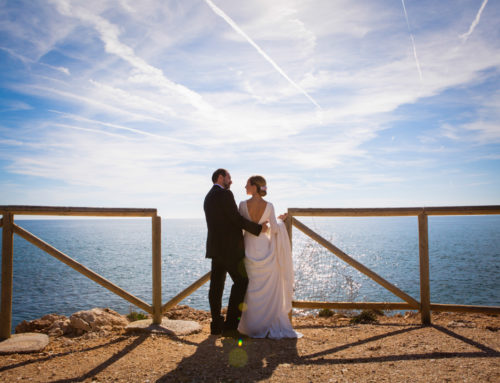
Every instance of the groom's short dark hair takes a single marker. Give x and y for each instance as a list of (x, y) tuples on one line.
[(217, 173)]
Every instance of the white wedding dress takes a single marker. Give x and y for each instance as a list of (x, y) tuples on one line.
[(268, 260)]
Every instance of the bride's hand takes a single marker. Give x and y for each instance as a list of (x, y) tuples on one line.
[(283, 217)]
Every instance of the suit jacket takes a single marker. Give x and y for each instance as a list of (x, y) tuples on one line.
[(225, 224)]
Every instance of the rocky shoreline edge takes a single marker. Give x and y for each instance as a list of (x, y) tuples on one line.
[(334, 348), (104, 321)]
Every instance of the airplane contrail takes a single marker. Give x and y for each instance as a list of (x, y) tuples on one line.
[(466, 35), (412, 41), (228, 20)]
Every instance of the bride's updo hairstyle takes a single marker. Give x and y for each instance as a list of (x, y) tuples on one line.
[(260, 182)]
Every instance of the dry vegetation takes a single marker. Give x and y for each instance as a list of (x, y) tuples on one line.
[(456, 348)]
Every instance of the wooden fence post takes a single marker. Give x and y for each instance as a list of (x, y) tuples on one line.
[(289, 229), (423, 245), (7, 271), (289, 226), (156, 231)]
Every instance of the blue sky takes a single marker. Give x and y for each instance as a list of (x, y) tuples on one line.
[(337, 103)]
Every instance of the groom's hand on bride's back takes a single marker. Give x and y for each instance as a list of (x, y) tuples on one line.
[(265, 227)]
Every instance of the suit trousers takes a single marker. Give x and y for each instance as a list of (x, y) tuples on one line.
[(238, 274)]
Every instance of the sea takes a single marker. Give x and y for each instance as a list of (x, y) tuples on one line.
[(464, 262)]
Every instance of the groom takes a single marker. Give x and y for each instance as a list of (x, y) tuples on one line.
[(226, 248)]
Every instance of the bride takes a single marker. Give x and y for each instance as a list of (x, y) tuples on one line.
[(268, 261)]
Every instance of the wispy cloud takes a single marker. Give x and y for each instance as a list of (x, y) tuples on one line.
[(58, 68), (13, 105), (16, 55), (412, 41), (485, 132), (109, 34), (474, 24), (124, 128), (238, 30)]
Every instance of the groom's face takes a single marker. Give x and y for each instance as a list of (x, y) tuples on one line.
[(227, 181)]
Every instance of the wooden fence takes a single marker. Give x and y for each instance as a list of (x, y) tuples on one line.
[(9, 228), (409, 303), (424, 305)]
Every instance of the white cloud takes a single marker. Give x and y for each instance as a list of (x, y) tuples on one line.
[(485, 132), (146, 74)]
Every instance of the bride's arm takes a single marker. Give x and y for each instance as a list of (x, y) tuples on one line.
[(273, 223)]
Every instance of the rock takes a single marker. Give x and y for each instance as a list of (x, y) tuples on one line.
[(97, 319), (24, 343), (411, 314), (41, 325), (60, 327), (168, 326), (68, 342), (81, 322), (185, 312)]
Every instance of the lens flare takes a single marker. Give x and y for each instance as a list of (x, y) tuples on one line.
[(238, 357)]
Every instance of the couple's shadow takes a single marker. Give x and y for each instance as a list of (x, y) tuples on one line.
[(227, 359)]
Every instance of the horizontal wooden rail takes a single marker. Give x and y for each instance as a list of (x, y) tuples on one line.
[(78, 211), (394, 211), (81, 269), (393, 306), (465, 308), (357, 265), (462, 210), (186, 292), (353, 305), (372, 212)]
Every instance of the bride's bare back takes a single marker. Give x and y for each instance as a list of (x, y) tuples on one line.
[(256, 208)]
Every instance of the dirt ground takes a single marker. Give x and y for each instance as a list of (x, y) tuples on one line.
[(455, 348)]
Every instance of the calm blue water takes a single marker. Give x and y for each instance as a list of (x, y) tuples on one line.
[(464, 262)]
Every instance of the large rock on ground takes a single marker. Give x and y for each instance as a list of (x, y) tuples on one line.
[(94, 320), (52, 324), (97, 319)]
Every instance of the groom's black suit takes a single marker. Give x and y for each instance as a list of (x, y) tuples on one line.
[(226, 248)]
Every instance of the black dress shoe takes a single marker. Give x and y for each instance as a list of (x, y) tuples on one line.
[(216, 327), (215, 331)]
